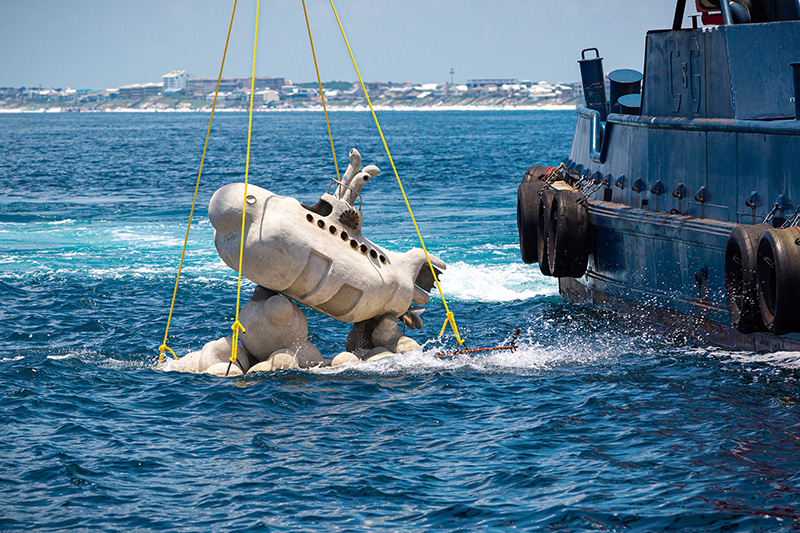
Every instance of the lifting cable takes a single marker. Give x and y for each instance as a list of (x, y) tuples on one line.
[(450, 317), (321, 92), (237, 326), (163, 348)]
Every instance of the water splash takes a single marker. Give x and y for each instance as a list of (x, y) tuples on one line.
[(495, 282)]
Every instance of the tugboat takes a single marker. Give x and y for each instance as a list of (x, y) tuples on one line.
[(679, 202)]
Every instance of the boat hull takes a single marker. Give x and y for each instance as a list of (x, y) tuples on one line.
[(666, 272)]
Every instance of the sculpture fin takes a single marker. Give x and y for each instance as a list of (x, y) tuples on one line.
[(411, 318)]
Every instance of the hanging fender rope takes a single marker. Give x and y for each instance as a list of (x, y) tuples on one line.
[(450, 317), (163, 348), (237, 326), (321, 92)]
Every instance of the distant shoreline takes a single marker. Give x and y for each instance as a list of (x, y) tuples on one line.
[(552, 107)]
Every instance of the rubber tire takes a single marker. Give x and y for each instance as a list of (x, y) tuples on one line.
[(545, 206), (528, 220), (535, 173), (568, 236), (741, 286), (779, 284)]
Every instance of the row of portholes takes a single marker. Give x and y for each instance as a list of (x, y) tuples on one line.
[(354, 244)]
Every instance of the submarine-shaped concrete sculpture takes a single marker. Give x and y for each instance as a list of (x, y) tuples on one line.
[(315, 255)]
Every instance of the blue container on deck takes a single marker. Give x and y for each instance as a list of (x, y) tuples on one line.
[(796, 71), (630, 104), (594, 83), (621, 82)]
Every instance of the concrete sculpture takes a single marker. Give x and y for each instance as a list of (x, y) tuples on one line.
[(315, 255)]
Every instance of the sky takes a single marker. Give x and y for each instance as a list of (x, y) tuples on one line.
[(98, 44)]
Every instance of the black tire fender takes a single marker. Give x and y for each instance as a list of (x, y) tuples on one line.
[(568, 235), (528, 220), (535, 173), (778, 275), (545, 207), (741, 286)]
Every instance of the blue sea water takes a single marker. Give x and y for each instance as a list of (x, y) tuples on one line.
[(590, 425)]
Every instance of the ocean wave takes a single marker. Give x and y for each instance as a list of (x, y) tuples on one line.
[(62, 356), (139, 237), (495, 283), (211, 272), (496, 246), (786, 360)]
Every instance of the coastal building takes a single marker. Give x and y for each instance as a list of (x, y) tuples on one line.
[(175, 81), (512, 88), (406, 91), (496, 82), (457, 90), (264, 83), (89, 95), (200, 87), (484, 89), (227, 95), (564, 91), (427, 87), (42, 95), (137, 91), (268, 96), (299, 92)]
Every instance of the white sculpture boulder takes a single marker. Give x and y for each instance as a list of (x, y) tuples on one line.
[(213, 353), (271, 322)]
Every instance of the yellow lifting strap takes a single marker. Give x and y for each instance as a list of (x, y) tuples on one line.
[(450, 317), (321, 92), (163, 348), (237, 326)]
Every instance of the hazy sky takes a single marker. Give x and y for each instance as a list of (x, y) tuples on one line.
[(107, 43)]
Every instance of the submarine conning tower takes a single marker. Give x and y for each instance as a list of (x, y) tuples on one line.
[(704, 141)]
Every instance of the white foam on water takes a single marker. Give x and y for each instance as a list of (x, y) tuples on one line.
[(70, 255), (787, 360), (61, 357), (782, 359), (495, 283), (138, 237), (495, 246), (528, 358), (12, 359)]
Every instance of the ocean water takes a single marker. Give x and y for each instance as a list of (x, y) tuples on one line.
[(589, 425)]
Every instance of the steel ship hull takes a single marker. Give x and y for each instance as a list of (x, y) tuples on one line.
[(714, 145)]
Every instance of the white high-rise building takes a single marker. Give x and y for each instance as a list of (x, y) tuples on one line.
[(175, 81)]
